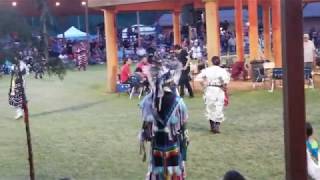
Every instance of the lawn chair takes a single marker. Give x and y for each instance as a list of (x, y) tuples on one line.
[(136, 86), (258, 75), (123, 88), (277, 74)]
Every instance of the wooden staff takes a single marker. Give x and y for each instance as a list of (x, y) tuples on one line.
[(26, 121)]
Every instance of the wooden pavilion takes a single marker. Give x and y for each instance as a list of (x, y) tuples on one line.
[(283, 17), (271, 21)]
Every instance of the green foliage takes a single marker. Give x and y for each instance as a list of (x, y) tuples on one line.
[(11, 21), (6, 54)]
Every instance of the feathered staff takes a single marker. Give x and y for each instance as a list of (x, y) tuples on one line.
[(27, 125)]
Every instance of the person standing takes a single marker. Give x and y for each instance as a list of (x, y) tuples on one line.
[(184, 81), (82, 56), (164, 116), (125, 71), (215, 80), (17, 86), (309, 52)]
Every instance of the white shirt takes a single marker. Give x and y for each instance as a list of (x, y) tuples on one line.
[(196, 52), (231, 42), (23, 66), (141, 52), (214, 75), (308, 51)]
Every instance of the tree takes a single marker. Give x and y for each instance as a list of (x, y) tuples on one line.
[(45, 19), (54, 65)]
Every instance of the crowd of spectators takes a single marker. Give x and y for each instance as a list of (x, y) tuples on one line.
[(67, 49)]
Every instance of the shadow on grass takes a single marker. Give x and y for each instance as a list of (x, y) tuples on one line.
[(72, 108)]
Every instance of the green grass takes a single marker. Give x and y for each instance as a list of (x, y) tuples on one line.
[(81, 132)]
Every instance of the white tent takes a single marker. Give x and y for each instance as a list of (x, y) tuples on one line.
[(73, 33)]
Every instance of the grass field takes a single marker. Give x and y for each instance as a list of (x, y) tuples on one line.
[(83, 133)]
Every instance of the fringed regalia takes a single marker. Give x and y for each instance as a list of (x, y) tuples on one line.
[(313, 158), (39, 67), (16, 91), (82, 57), (164, 126)]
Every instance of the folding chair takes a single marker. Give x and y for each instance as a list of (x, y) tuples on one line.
[(259, 76), (123, 88), (277, 74), (136, 85)]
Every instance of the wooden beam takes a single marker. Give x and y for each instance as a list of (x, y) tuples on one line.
[(154, 6), (176, 15), (111, 49), (276, 32), (212, 25), (293, 91), (106, 3), (238, 5), (253, 29), (266, 30)]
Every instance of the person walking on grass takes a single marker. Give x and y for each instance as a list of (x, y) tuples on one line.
[(185, 78), (214, 80)]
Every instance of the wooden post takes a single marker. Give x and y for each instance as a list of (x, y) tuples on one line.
[(112, 49), (139, 33), (213, 28), (294, 97), (238, 4), (266, 31), (176, 26), (253, 29), (276, 32)]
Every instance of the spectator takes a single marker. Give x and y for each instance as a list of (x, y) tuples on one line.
[(138, 73), (309, 52), (144, 65), (125, 71), (196, 51), (232, 44), (185, 78)]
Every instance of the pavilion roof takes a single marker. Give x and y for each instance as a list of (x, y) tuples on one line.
[(132, 5)]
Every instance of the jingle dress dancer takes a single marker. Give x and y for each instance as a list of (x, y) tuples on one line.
[(164, 116), (82, 57), (215, 80)]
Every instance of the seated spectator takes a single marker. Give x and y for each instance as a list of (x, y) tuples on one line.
[(233, 175), (144, 65), (138, 73), (125, 71), (239, 68), (312, 153)]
